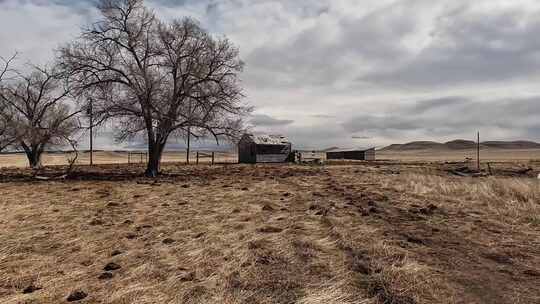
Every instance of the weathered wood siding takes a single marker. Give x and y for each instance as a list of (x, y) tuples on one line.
[(250, 152), (246, 152)]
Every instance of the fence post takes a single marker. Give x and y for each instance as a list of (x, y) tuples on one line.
[(212, 158), (197, 157)]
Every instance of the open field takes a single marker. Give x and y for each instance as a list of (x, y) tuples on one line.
[(108, 157), (111, 157), (518, 155), (360, 233)]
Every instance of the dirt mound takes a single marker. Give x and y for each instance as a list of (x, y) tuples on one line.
[(76, 296)]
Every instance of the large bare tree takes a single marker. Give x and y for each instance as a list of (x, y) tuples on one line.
[(158, 78), (37, 112)]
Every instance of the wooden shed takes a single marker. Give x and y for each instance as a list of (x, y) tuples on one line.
[(352, 154), (264, 149)]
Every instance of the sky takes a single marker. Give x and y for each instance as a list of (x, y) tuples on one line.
[(349, 73)]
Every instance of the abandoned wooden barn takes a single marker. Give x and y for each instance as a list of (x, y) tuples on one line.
[(352, 154), (264, 149)]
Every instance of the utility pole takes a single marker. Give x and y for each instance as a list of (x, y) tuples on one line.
[(91, 116), (478, 152), (188, 144), (188, 150)]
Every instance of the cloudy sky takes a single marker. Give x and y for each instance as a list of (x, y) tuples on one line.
[(350, 72)]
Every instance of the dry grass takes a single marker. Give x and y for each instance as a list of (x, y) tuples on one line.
[(513, 200), (271, 234), (109, 157), (516, 155)]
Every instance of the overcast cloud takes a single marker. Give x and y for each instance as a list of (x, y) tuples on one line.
[(325, 71)]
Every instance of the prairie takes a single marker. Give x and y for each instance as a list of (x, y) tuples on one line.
[(425, 155), (490, 154), (109, 157), (380, 232)]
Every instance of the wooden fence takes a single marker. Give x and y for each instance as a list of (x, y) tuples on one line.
[(211, 155), (142, 156), (200, 157)]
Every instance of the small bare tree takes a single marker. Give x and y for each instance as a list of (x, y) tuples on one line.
[(155, 77), (7, 137), (7, 134), (38, 113)]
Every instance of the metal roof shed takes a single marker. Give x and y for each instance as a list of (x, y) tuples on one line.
[(352, 154)]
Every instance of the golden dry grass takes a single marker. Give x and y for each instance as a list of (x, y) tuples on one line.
[(491, 154), (109, 157), (271, 234), (515, 200)]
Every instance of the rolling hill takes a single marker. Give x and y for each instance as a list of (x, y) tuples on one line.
[(461, 144)]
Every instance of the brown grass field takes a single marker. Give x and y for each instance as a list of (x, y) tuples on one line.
[(494, 155), (376, 232), (108, 157)]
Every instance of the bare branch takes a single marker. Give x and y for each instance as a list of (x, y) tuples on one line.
[(6, 65), (156, 77), (36, 113)]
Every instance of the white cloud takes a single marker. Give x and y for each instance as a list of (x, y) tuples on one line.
[(321, 65), (36, 28)]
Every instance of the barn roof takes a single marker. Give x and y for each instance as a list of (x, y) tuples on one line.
[(268, 139), (362, 149)]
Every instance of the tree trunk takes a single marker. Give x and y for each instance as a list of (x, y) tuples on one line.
[(155, 150), (34, 157)]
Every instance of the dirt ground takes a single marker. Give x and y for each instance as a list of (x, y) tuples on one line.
[(378, 232)]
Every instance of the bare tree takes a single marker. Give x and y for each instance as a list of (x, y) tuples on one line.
[(157, 78), (5, 69), (38, 113), (7, 134)]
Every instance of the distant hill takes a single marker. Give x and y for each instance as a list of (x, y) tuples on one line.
[(521, 144), (329, 149), (461, 144), (415, 145)]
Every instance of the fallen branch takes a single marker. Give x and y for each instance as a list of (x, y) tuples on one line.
[(458, 173), (524, 171), (46, 178)]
